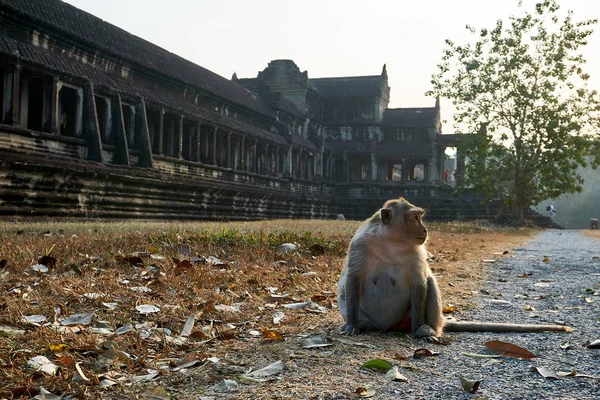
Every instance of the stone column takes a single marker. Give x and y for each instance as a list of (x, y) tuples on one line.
[(290, 162), (91, 129), (12, 82), (405, 174), (198, 143), (267, 162), (243, 154), (50, 104), (143, 141), (277, 160), (179, 148), (121, 146), (373, 167), (160, 133), (214, 157), (230, 161), (346, 167)]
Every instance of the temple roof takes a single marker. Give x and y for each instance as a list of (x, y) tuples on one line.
[(351, 86), (411, 117), (61, 17), (13, 49)]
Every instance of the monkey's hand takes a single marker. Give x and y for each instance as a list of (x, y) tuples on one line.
[(349, 329), (426, 332)]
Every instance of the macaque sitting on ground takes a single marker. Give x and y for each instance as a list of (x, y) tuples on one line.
[(387, 285)]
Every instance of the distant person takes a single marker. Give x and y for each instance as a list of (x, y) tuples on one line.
[(551, 210), (446, 174)]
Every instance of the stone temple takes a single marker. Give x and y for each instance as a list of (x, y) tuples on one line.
[(99, 123)]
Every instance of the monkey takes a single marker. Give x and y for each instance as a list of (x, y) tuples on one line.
[(386, 283)]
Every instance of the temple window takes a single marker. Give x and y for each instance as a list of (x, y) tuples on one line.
[(104, 119), (153, 117), (129, 122), (32, 101), (69, 110)]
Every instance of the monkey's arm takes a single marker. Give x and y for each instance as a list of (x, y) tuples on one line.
[(418, 303), (351, 297)]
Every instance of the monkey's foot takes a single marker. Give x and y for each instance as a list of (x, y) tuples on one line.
[(349, 329), (426, 332)]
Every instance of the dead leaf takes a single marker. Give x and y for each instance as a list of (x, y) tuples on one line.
[(468, 385), (159, 393), (421, 353), (588, 300), (593, 345), (48, 261), (564, 374), (545, 372), (270, 334), (183, 265), (546, 260), (566, 346), (448, 309), (509, 350), (133, 260), (188, 326), (529, 308), (77, 319), (41, 363), (266, 372), (394, 375), (147, 309), (58, 348), (403, 358), (314, 341), (364, 392)]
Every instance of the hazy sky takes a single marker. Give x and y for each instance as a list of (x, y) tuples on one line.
[(326, 37)]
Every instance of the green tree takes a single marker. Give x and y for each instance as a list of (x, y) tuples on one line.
[(521, 88)]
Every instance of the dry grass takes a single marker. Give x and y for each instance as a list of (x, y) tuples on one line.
[(95, 258), (590, 233)]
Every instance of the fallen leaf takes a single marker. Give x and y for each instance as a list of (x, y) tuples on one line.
[(546, 260), (448, 309), (377, 364), (421, 353), (188, 326), (40, 268), (468, 385), (400, 357), (270, 334), (277, 317), (58, 348), (46, 395), (564, 374), (225, 386), (545, 372), (588, 300), (10, 331), (566, 346), (224, 307), (529, 308), (394, 375), (508, 349), (366, 393), (34, 319), (190, 359), (314, 341), (593, 345), (147, 309), (159, 393), (266, 372), (66, 362), (41, 363), (77, 319), (482, 355)]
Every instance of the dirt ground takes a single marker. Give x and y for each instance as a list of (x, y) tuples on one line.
[(172, 310)]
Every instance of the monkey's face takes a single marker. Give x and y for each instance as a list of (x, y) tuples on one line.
[(413, 224), (405, 222)]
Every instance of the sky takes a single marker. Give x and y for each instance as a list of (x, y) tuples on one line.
[(328, 38)]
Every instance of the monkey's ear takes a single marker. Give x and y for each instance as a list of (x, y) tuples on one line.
[(386, 215)]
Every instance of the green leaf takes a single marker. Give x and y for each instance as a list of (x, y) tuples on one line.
[(377, 364)]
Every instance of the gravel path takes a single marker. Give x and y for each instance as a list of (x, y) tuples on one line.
[(563, 281)]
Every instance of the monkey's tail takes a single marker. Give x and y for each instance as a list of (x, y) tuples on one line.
[(467, 326)]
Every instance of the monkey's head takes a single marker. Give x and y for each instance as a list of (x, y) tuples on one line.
[(404, 221)]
